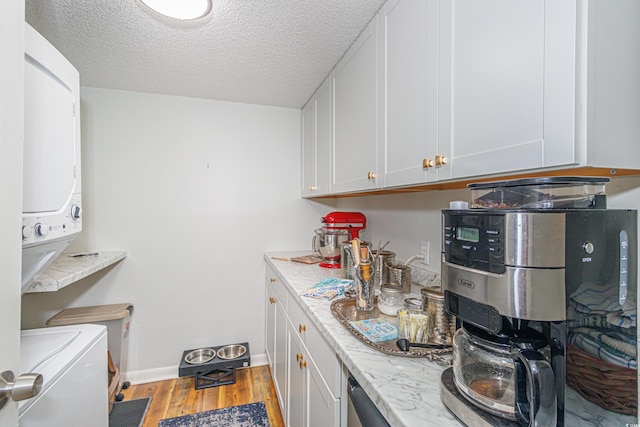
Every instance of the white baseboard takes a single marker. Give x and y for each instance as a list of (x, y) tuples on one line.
[(171, 372)]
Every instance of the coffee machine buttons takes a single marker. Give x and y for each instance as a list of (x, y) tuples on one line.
[(492, 232), (493, 240), (588, 247), (624, 265)]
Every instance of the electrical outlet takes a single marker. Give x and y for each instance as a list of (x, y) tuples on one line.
[(424, 251)]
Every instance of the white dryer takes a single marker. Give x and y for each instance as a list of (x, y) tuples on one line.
[(73, 361)]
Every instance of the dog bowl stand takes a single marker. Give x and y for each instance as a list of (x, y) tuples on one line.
[(215, 372)]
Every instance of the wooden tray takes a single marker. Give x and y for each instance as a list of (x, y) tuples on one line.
[(344, 310)]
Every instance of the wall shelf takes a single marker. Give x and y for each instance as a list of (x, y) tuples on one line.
[(66, 270)]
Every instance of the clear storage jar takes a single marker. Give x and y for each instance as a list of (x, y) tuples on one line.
[(390, 300), (412, 321)]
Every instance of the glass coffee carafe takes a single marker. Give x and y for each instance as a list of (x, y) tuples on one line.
[(505, 374)]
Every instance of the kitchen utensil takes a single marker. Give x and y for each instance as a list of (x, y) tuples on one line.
[(364, 286), (347, 262), (404, 344)]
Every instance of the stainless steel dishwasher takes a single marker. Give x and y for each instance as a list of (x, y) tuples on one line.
[(367, 413)]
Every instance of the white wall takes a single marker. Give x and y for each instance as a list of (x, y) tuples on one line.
[(195, 190)]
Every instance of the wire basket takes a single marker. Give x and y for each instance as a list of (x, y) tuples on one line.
[(612, 387)]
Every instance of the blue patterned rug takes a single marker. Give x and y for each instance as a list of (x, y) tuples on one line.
[(250, 415)]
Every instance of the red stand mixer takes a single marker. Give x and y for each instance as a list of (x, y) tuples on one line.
[(338, 227)]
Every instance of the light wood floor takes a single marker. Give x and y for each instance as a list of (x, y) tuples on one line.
[(172, 398)]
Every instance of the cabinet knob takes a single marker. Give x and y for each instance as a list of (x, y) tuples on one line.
[(299, 357), (441, 160), (272, 280), (303, 364), (371, 175), (302, 328), (427, 163), (272, 300)]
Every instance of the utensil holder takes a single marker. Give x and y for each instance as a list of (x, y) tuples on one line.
[(442, 325), (348, 269), (383, 261), (364, 287), (400, 275)]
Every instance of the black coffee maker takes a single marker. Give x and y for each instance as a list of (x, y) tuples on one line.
[(542, 279)]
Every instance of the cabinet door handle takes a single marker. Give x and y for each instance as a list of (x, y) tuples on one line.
[(302, 328), (441, 160), (303, 364), (272, 300), (312, 188), (272, 280), (427, 163), (371, 175)]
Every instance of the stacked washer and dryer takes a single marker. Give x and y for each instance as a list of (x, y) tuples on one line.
[(71, 359)]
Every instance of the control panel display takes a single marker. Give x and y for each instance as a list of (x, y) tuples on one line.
[(468, 234)]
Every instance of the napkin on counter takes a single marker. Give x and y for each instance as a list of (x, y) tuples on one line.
[(327, 289)]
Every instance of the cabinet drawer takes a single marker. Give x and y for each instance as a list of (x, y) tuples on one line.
[(273, 280), (318, 347)]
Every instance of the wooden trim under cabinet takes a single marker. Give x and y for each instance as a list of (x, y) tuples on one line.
[(462, 184)]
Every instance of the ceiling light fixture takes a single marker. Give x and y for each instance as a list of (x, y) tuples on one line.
[(182, 9)]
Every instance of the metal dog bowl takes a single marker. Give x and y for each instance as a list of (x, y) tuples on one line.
[(232, 351), (200, 356)]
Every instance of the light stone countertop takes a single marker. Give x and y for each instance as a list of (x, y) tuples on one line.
[(66, 270), (405, 390)]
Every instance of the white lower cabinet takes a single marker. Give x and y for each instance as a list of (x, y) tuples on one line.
[(306, 372), (276, 334)]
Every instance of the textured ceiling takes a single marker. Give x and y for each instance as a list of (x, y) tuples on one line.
[(272, 52)]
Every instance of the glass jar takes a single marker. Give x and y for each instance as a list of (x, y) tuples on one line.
[(412, 321), (390, 300)]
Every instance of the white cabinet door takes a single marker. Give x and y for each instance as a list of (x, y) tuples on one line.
[(355, 100), (297, 382), (506, 84), (309, 148), (323, 409), (323, 139), (409, 90), (270, 325), (316, 143), (281, 355)]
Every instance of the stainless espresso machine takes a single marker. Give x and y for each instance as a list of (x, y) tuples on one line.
[(542, 279)]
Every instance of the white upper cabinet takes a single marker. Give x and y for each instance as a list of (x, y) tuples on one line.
[(408, 101), (355, 106), (316, 143), (452, 90), (507, 84)]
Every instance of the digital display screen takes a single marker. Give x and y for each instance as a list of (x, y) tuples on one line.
[(468, 234)]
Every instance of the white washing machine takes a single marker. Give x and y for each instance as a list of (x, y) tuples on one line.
[(73, 361)]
